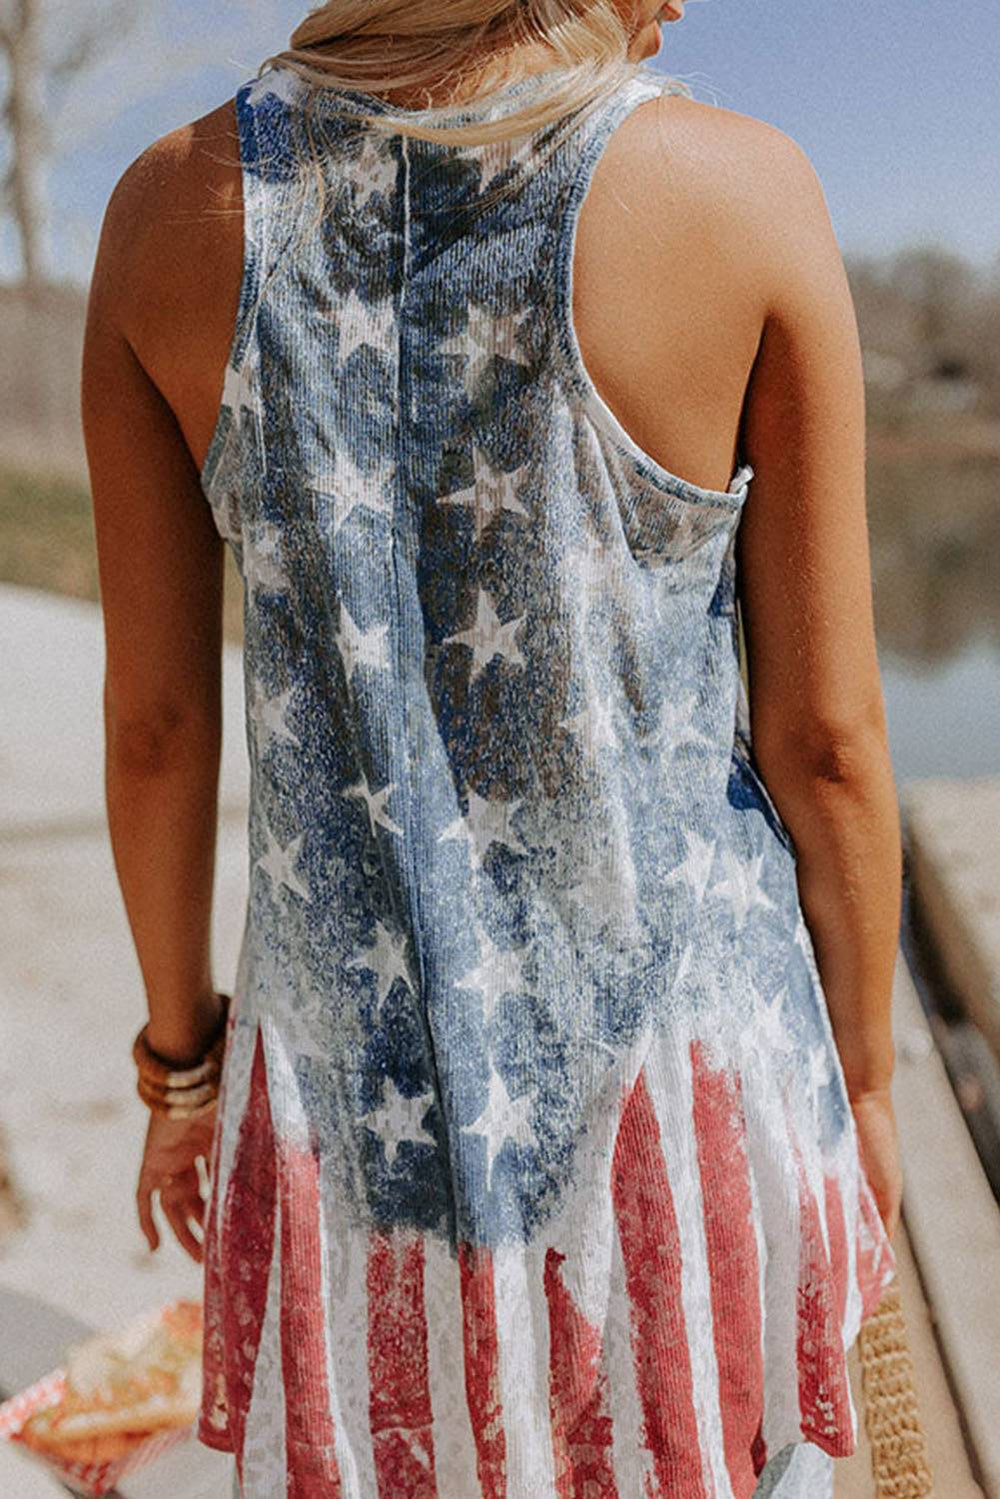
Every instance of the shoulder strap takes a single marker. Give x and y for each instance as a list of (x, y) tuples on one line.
[(589, 145), (270, 145)]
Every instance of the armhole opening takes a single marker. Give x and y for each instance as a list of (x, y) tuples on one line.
[(570, 354), (227, 421)]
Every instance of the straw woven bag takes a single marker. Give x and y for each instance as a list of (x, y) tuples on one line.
[(892, 1417)]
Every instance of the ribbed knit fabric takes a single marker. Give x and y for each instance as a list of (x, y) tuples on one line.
[(535, 1174), (799, 1472)]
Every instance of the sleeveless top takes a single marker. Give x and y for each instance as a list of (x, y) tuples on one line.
[(534, 1172)]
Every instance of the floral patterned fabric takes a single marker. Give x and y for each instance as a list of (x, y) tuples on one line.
[(535, 1173)]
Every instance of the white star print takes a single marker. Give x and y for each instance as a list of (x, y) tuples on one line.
[(696, 869), (241, 391), (504, 1118), (683, 532), (279, 863), (487, 822), (486, 335), (493, 490), (458, 830), (348, 486), (375, 800), (360, 323), (497, 972), (681, 972), (586, 567), (493, 158), (227, 515), (398, 1118), (386, 959), (676, 725), (593, 722), (261, 562), (820, 1073), (770, 1026), (488, 637), (490, 822), (360, 647), (303, 1031), (374, 170), (605, 892), (741, 882), (268, 716), (279, 82)]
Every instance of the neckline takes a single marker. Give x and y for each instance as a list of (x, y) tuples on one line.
[(473, 108)]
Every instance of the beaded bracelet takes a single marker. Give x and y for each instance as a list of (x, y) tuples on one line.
[(178, 1103), (181, 1092)]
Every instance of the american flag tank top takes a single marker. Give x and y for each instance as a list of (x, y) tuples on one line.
[(534, 1173)]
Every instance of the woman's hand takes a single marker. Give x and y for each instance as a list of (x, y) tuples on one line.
[(876, 1127), (172, 1149)]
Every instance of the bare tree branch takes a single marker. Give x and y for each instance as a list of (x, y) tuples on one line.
[(91, 41), (7, 23), (73, 66)]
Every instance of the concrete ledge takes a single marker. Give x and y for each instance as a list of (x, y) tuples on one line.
[(953, 1225), (954, 857)]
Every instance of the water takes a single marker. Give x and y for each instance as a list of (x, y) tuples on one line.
[(944, 719), (934, 522)]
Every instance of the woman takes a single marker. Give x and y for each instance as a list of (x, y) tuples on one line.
[(554, 1151)]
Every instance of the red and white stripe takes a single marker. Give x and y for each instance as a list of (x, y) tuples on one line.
[(234, 1092), (399, 1387), (467, 1427), (824, 1393), (875, 1259), (620, 1354), (732, 1266), (247, 1239), (481, 1354), (651, 1252), (633, 1461), (523, 1339), (263, 1460), (313, 1471), (346, 1266)]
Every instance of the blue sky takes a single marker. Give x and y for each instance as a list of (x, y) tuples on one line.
[(895, 104)]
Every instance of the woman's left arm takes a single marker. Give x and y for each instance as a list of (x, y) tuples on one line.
[(160, 563), (161, 570)]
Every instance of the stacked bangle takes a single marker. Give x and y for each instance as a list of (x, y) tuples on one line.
[(181, 1093)]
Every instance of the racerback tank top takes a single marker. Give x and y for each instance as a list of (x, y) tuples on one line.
[(535, 1173)]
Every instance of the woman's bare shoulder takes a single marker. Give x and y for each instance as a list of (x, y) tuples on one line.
[(750, 187), (749, 157), (173, 224), (169, 264)]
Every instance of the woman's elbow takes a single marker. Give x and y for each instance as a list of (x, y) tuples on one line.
[(156, 737), (849, 751)]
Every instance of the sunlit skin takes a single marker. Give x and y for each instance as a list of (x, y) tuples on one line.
[(713, 313), (648, 36)]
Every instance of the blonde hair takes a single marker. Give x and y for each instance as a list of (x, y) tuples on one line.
[(376, 46)]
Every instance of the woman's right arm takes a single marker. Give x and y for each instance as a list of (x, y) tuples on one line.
[(817, 714)]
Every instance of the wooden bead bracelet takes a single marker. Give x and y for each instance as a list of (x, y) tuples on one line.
[(181, 1092)]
